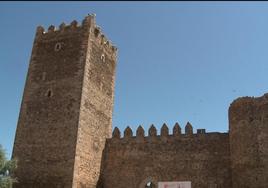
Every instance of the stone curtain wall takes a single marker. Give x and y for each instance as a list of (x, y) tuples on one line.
[(132, 161), (248, 121), (63, 137)]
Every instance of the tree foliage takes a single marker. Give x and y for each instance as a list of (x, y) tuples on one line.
[(6, 168)]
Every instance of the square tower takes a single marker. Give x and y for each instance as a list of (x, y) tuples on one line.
[(66, 110)]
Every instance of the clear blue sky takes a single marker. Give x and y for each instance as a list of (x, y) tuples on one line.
[(178, 62)]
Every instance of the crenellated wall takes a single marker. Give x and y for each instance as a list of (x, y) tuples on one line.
[(64, 134), (132, 161)]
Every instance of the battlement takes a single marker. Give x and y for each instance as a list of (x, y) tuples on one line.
[(250, 100), (249, 109), (88, 26), (164, 133), (63, 136), (163, 156)]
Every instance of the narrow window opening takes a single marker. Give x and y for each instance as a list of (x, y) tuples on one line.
[(57, 46), (103, 58), (96, 32), (49, 93)]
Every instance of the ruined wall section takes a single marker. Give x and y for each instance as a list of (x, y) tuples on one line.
[(46, 134), (132, 161), (95, 121), (248, 124)]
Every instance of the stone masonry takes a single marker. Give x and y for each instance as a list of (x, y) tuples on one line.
[(66, 112), (64, 134)]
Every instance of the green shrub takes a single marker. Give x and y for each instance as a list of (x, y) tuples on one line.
[(6, 168)]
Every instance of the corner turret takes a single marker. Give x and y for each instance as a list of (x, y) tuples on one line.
[(248, 124)]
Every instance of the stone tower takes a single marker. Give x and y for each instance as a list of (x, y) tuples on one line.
[(66, 110), (248, 124)]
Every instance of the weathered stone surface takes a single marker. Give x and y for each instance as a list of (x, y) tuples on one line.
[(248, 124), (63, 137), (152, 131), (140, 132), (128, 133), (116, 133), (176, 129), (188, 128), (66, 111), (203, 160), (164, 130)]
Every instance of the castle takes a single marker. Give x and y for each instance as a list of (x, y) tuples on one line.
[(64, 135)]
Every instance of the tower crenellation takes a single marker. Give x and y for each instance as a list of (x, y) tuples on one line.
[(88, 24)]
